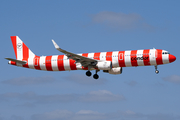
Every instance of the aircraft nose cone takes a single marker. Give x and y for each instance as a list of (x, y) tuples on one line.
[(172, 58)]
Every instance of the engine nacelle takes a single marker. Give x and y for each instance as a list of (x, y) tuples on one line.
[(104, 65), (114, 71)]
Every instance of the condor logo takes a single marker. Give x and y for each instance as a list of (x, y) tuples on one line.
[(139, 58), (19, 45)]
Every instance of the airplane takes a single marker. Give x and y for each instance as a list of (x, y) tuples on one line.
[(108, 62)]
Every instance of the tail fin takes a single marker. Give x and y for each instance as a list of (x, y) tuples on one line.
[(21, 50)]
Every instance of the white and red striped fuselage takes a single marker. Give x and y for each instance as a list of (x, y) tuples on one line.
[(130, 58), (110, 62)]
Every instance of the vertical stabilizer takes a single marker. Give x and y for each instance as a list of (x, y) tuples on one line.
[(21, 50)]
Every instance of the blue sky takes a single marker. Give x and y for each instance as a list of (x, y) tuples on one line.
[(82, 27)]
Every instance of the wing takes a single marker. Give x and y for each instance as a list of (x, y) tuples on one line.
[(85, 62)]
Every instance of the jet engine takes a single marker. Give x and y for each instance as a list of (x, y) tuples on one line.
[(104, 65), (114, 71)]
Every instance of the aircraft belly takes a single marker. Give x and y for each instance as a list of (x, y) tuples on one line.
[(66, 64), (165, 59), (139, 61), (31, 63), (54, 63), (115, 59), (42, 63), (127, 58), (152, 57), (78, 66)]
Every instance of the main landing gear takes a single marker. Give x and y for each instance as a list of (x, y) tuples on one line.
[(157, 71), (88, 73), (95, 76)]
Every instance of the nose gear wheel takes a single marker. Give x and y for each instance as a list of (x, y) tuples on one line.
[(157, 71)]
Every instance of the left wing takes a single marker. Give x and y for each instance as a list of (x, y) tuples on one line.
[(85, 62)]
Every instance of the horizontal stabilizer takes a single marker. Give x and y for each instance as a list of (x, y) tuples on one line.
[(17, 61)]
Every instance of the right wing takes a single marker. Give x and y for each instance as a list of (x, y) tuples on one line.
[(85, 61)]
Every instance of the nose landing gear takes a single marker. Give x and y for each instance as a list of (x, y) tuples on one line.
[(157, 71)]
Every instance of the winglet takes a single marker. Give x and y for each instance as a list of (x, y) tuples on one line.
[(55, 44)]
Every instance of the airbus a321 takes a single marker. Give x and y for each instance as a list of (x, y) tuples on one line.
[(108, 62)]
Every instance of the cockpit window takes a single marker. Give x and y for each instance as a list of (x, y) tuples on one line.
[(165, 53)]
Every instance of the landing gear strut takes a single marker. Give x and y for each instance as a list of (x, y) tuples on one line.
[(157, 71), (96, 76), (88, 73)]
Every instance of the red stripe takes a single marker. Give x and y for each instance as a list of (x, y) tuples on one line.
[(85, 55), (13, 39), (36, 63), (159, 57), (48, 63), (84, 68), (26, 65), (13, 63), (109, 56), (97, 56), (121, 59), (146, 56), (25, 55), (172, 58), (133, 58), (72, 64), (60, 63), (25, 52)]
